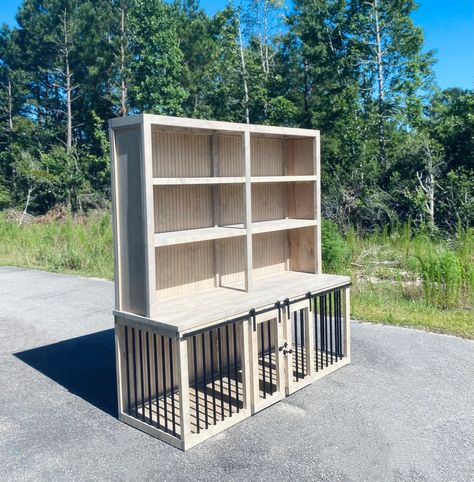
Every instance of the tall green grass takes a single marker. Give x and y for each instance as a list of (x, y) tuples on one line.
[(400, 276), (82, 246)]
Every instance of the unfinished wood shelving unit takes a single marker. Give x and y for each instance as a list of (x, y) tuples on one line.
[(221, 305)]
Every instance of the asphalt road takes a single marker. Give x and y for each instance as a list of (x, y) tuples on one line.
[(403, 410)]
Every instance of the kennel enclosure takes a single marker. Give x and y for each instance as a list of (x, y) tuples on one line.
[(221, 305)]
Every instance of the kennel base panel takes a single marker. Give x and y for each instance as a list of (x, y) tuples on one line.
[(186, 387)]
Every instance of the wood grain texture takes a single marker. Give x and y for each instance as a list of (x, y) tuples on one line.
[(268, 156), (178, 154)]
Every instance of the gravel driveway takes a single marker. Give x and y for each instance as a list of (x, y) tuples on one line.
[(403, 410)]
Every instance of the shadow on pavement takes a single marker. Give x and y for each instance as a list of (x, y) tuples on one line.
[(85, 366)]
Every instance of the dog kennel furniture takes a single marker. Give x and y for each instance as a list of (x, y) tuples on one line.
[(221, 305)]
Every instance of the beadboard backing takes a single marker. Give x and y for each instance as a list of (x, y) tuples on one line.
[(269, 156), (178, 208), (271, 251), (182, 178), (231, 159)]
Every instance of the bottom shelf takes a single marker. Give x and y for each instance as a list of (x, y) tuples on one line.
[(214, 304)]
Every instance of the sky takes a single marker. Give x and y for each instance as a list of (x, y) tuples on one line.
[(448, 28)]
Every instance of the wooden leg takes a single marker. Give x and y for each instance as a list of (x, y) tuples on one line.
[(183, 384)]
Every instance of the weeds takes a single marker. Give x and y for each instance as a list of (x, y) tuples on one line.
[(83, 247)]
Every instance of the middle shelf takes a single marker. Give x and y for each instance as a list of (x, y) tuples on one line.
[(218, 232)]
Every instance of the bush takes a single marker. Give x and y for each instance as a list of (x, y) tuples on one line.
[(336, 253), (442, 276)]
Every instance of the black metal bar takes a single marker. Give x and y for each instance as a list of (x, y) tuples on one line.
[(236, 368), (211, 343), (295, 324), (315, 314), (195, 371), (219, 339), (157, 388), (140, 350), (321, 328), (302, 342), (338, 332), (270, 365), (135, 385), (229, 395), (262, 356), (342, 333), (326, 331), (127, 367), (330, 325), (173, 417), (204, 375), (147, 344), (163, 370)]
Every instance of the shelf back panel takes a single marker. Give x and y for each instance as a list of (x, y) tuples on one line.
[(269, 156), (301, 157), (184, 268), (269, 201), (270, 253), (185, 207), (182, 207), (180, 154), (231, 263), (231, 160)]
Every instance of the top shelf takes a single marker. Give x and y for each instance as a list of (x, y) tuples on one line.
[(185, 181)]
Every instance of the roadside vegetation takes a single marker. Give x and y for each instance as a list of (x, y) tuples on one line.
[(400, 276), (58, 242)]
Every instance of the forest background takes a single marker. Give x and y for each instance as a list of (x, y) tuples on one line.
[(398, 151)]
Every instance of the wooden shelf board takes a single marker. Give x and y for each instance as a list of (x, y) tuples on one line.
[(202, 234), (281, 225), (229, 231), (214, 305), (178, 181), (266, 179)]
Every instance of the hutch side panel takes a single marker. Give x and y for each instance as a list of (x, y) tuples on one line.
[(130, 224)]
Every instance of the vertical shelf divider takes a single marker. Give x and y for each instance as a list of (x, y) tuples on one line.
[(148, 214), (248, 211), (216, 207)]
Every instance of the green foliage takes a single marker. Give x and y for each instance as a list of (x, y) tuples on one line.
[(442, 279), (315, 65), (336, 254), (157, 65), (84, 246)]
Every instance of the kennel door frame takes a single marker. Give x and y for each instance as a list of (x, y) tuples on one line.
[(308, 355), (277, 334)]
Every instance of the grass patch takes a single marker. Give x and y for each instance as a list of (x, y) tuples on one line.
[(83, 246), (388, 303), (402, 278)]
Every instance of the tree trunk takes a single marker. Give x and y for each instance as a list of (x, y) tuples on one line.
[(10, 106), (306, 94), (244, 76), (380, 82), (68, 83), (123, 84), (28, 198)]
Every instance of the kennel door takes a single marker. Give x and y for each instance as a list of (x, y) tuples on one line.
[(299, 356), (266, 339)]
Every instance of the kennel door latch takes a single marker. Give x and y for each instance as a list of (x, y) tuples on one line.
[(283, 349)]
